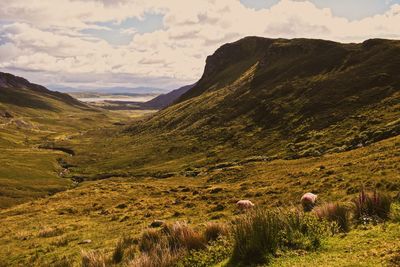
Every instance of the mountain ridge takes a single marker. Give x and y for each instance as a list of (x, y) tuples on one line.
[(286, 91)]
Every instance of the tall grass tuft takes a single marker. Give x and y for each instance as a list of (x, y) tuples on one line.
[(180, 235), (118, 253), (215, 230), (335, 212), (162, 247), (159, 256), (149, 239), (260, 233), (93, 259), (371, 206), (256, 237)]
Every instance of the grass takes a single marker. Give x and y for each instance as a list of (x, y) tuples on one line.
[(256, 238), (89, 211), (28, 172), (335, 212), (213, 231), (372, 246)]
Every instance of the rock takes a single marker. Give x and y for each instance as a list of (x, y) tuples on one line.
[(185, 189), (86, 241), (215, 190), (218, 207), (156, 223), (121, 206), (6, 114), (189, 205)]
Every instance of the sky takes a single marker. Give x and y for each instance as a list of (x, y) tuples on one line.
[(89, 44)]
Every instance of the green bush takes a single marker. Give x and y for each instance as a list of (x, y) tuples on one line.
[(216, 252), (301, 231)]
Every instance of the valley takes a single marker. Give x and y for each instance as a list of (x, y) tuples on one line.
[(266, 122)]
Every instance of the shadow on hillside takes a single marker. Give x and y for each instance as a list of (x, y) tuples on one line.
[(23, 99)]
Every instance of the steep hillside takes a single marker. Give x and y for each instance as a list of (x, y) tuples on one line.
[(266, 98), (291, 98)]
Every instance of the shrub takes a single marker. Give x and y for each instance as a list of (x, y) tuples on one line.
[(301, 231), (335, 212), (256, 237), (216, 252), (93, 259), (215, 230), (371, 206)]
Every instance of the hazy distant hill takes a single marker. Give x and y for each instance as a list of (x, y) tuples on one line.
[(167, 99), (110, 90)]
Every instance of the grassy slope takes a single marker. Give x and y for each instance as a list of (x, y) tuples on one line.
[(90, 211), (38, 117), (369, 246), (276, 98)]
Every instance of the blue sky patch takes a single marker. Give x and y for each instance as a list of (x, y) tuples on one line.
[(117, 33)]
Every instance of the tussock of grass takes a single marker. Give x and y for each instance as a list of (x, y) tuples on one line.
[(335, 212), (215, 230), (256, 237), (260, 233), (371, 206), (180, 235), (50, 232), (93, 259), (160, 255)]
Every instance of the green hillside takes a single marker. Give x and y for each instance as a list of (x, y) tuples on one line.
[(32, 118), (266, 98), (269, 120)]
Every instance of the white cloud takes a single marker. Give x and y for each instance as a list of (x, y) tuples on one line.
[(46, 36)]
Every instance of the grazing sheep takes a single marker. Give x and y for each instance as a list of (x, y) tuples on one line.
[(308, 201), (244, 204)]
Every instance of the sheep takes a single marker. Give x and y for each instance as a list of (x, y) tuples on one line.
[(308, 201), (244, 204)]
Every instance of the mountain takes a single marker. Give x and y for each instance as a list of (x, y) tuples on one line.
[(265, 99), (167, 99), (110, 90), (18, 91), (289, 98)]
